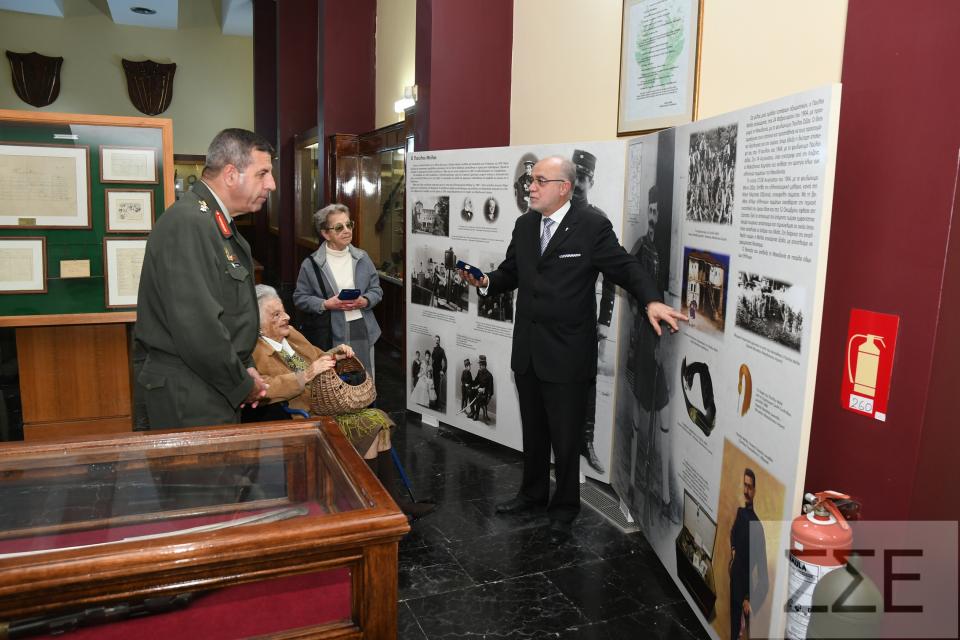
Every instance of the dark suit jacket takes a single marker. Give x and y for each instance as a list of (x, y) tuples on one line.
[(556, 314)]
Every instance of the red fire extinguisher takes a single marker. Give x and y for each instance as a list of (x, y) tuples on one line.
[(820, 540)]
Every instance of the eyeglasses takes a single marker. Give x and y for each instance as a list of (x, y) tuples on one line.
[(340, 226), (540, 180)]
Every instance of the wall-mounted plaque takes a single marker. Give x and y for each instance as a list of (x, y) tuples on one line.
[(36, 77), (659, 64)]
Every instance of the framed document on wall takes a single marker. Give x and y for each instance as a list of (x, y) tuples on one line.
[(122, 261), (44, 186), (23, 265), (129, 210), (128, 164), (659, 64)]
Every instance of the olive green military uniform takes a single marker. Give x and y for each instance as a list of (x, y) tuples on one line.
[(197, 318)]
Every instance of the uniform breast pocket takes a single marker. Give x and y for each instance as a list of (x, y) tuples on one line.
[(236, 288), (238, 273)]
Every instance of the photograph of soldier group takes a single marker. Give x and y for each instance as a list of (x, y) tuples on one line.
[(476, 391), (770, 308), (432, 217), (434, 281), (713, 163), (705, 289)]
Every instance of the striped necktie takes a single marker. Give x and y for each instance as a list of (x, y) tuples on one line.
[(545, 236)]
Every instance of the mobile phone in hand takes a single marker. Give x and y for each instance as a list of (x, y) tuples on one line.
[(349, 294), (469, 268)]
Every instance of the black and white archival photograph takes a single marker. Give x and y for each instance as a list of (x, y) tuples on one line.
[(491, 210), (466, 210), (643, 472), (428, 372), (771, 308), (705, 276), (434, 281), (432, 216), (476, 389), (712, 166), (521, 185), (498, 307)]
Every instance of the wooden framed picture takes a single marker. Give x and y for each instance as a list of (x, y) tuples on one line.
[(23, 265), (659, 64), (128, 164), (129, 210), (44, 186), (122, 261)]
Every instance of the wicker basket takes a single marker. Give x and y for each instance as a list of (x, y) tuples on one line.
[(331, 396)]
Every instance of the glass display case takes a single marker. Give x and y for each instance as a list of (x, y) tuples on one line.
[(366, 173), (187, 169), (198, 525), (306, 184), (381, 200)]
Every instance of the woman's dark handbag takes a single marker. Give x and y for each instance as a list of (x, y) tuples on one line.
[(315, 327)]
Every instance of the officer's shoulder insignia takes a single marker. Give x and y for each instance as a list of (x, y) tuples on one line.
[(222, 223), (204, 207)]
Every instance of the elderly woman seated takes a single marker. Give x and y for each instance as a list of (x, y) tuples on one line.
[(289, 364)]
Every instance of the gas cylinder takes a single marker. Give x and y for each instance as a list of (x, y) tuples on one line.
[(820, 540)]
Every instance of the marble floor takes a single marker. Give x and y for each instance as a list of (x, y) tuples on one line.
[(466, 572)]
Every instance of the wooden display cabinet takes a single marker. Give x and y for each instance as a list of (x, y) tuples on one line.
[(366, 173), (269, 530)]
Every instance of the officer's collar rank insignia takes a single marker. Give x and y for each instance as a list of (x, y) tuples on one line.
[(203, 206), (223, 224)]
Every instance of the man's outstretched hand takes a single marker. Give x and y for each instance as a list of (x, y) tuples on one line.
[(658, 311)]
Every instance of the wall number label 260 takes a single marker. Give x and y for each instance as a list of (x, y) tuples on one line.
[(859, 403)]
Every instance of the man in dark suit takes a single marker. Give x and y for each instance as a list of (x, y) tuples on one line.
[(555, 254), (748, 559), (440, 373), (197, 316), (466, 386)]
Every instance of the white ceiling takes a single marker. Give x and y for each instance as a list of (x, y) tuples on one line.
[(236, 16), (40, 7), (164, 18)]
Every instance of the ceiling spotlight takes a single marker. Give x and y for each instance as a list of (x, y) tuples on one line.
[(144, 11)]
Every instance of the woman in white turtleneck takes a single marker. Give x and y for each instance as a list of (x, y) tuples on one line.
[(340, 265)]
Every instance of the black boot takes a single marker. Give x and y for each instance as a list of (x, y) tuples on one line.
[(387, 472), (586, 448)]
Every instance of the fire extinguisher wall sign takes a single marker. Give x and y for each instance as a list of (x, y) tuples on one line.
[(868, 365)]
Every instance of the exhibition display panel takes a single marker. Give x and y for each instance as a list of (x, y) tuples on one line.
[(233, 531)]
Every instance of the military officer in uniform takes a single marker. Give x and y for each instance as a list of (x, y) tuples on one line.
[(466, 386), (521, 188), (197, 317), (586, 164), (483, 385)]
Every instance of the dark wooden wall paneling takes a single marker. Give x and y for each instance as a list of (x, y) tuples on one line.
[(463, 73), (890, 243)]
